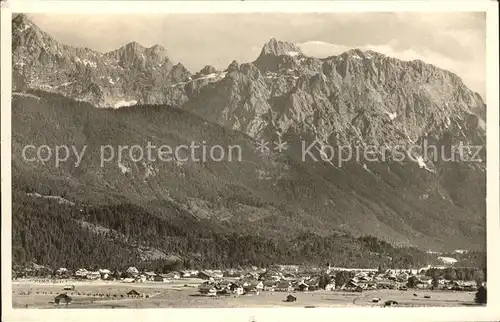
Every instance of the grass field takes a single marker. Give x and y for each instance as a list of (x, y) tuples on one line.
[(104, 294)]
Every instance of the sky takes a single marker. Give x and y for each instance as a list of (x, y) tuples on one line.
[(453, 41)]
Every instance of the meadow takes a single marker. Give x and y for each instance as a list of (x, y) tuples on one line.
[(184, 294)]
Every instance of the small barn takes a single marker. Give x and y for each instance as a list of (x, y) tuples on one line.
[(291, 298), (133, 293), (161, 278), (284, 287), (390, 303), (62, 299), (207, 289), (238, 290), (303, 287)]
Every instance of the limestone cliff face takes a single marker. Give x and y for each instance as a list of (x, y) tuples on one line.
[(357, 96), (131, 73)]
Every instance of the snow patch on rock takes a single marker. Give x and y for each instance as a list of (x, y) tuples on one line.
[(123, 103), (150, 170), (59, 199), (422, 164), (124, 168), (447, 260), (392, 116), (292, 53)]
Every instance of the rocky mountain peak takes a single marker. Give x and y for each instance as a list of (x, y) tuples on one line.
[(157, 48), (207, 70), (157, 52), (128, 51), (233, 68), (278, 55), (278, 48), (21, 19), (26, 33), (103, 79), (134, 45)]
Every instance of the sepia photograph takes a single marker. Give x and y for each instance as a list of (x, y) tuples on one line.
[(248, 159)]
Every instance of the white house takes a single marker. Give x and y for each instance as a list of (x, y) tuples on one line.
[(284, 287), (331, 286), (93, 275), (141, 278), (128, 280), (186, 274), (81, 273), (150, 276), (132, 271), (174, 275), (105, 273), (62, 271)]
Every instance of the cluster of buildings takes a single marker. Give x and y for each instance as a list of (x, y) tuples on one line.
[(254, 282), (284, 278), (130, 275), (402, 280)]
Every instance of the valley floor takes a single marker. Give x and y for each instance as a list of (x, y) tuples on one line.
[(183, 293)]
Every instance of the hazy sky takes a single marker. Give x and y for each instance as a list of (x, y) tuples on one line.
[(454, 41)]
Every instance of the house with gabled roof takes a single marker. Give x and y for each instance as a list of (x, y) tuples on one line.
[(270, 275), (206, 275), (132, 271), (350, 285), (150, 276), (93, 275), (106, 274), (133, 293), (207, 289), (161, 278), (62, 299), (269, 286), (251, 275), (81, 273), (283, 286), (303, 287)]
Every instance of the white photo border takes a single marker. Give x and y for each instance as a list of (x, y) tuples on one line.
[(488, 313)]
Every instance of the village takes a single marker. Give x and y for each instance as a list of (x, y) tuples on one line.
[(290, 280)]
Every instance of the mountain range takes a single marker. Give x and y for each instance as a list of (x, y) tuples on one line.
[(132, 95)]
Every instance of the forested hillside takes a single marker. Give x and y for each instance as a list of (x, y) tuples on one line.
[(117, 236)]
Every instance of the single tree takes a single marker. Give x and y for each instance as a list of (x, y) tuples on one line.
[(435, 282), (324, 280), (481, 295), (450, 274), (412, 282), (341, 278)]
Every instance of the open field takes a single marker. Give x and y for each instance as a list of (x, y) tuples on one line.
[(176, 294)]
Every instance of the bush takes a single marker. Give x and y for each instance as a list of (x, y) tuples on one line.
[(481, 295)]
